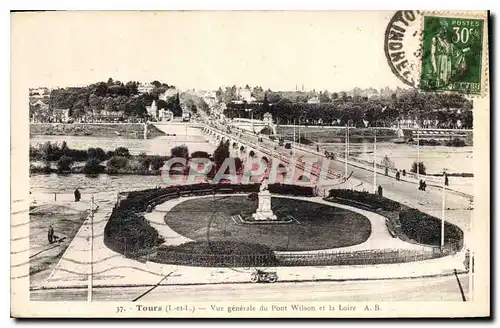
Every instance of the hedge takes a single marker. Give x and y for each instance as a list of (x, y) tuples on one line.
[(426, 229), (372, 201), (127, 232), (408, 223), (216, 253)]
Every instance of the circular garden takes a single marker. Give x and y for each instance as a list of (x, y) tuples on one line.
[(313, 226)]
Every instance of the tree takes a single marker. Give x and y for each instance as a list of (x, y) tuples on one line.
[(91, 153), (100, 154), (180, 151), (265, 104), (157, 84), (324, 97), (92, 166), (64, 164), (221, 153), (421, 167), (115, 164)]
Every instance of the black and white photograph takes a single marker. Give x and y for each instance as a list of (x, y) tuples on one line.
[(250, 164)]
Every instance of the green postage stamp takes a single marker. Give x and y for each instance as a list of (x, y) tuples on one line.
[(452, 54)]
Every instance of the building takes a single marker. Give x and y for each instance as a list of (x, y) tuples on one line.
[(39, 111), (39, 92), (61, 115), (268, 117), (313, 100), (165, 115), (145, 88), (246, 95), (152, 110)]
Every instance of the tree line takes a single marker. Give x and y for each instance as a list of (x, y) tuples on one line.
[(447, 109), (113, 96)]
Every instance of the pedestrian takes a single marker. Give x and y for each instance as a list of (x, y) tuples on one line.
[(446, 180), (380, 191), (424, 185), (397, 175), (404, 172), (77, 195), (386, 171), (50, 234), (420, 185)]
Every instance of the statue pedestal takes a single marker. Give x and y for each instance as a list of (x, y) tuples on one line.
[(264, 212)]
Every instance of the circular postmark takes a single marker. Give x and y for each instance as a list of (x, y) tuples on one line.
[(403, 46)]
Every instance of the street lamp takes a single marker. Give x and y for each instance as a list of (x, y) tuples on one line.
[(346, 148), (442, 209)]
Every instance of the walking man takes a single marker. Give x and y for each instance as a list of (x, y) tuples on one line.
[(77, 195), (50, 234)]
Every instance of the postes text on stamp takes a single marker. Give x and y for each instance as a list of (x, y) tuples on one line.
[(452, 54)]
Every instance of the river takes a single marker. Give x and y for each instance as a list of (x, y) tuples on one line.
[(434, 158)]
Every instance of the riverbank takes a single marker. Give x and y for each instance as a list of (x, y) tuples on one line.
[(66, 218), (107, 130), (319, 134)]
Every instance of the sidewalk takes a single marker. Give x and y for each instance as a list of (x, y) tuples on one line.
[(113, 269)]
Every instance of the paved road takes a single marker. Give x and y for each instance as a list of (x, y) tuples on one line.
[(420, 289)]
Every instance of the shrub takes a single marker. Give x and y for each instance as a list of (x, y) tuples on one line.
[(200, 154), (373, 201), (455, 142), (429, 142), (92, 166), (180, 151), (64, 164), (115, 164), (421, 167), (121, 151), (157, 162)]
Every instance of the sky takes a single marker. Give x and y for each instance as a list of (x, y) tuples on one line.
[(333, 51)]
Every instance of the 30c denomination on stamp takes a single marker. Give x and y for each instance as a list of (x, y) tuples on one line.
[(452, 54)]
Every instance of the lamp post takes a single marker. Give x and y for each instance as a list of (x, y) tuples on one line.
[(442, 209), (90, 278), (418, 146), (346, 147)]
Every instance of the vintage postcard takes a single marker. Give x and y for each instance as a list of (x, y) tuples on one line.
[(259, 164)]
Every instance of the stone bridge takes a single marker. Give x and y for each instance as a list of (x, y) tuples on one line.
[(239, 147)]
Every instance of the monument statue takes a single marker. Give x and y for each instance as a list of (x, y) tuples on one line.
[(264, 212)]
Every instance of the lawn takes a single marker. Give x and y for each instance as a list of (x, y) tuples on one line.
[(319, 226)]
